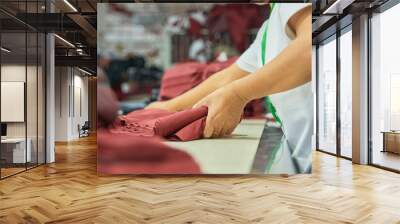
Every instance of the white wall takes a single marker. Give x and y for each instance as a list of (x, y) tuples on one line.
[(12, 100), (80, 112), (16, 73), (61, 103), (33, 126), (71, 94), (12, 73)]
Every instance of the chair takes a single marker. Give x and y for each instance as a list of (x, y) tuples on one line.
[(84, 130)]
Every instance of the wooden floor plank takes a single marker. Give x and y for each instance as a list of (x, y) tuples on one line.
[(70, 191)]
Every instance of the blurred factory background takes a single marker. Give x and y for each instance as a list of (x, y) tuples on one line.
[(137, 43)]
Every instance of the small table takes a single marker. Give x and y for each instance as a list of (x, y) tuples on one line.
[(18, 150), (229, 155), (391, 141)]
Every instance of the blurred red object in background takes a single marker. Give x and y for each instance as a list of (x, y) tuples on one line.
[(124, 154)]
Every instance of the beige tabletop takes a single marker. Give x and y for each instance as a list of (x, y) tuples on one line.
[(231, 155)]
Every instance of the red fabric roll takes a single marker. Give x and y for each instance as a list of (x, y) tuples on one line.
[(181, 126)]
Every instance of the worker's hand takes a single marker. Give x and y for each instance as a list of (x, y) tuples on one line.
[(164, 105), (225, 108)]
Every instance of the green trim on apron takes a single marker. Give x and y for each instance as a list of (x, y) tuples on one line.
[(268, 102)]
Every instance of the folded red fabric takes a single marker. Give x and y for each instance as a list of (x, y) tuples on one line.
[(184, 76), (131, 145), (179, 78), (181, 126), (126, 154), (215, 67)]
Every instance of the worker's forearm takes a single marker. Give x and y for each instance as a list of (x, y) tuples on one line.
[(191, 97), (288, 70)]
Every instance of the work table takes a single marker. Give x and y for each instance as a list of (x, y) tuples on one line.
[(242, 153)]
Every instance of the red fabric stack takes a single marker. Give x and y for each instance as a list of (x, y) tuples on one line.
[(215, 67), (125, 154), (180, 78), (121, 151), (180, 126)]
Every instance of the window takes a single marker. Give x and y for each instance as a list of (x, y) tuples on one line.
[(22, 78), (385, 89), (327, 97), (346, 94)]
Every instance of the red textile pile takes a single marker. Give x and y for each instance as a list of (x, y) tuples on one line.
[(181, 126), (185, 76), (215, 67), (125, 154), (123, 151), (180, 78)]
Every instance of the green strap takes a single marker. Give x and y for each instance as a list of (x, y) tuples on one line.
[(270, 106), (264, 37)]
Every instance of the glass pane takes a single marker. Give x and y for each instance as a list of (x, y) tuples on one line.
[(386, 89), (314, 87), (14, 153), (22, 79), (31, 97), (31, 87), (327, 97), (41, 99), (346, 94)]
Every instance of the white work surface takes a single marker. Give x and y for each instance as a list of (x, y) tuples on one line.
[(19, 149), (232, 155), (12, 140)]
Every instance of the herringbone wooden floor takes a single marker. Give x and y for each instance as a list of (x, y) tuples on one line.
[(70, 191)]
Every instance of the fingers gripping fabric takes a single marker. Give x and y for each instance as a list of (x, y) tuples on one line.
[(179, 126), (131, 144)]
